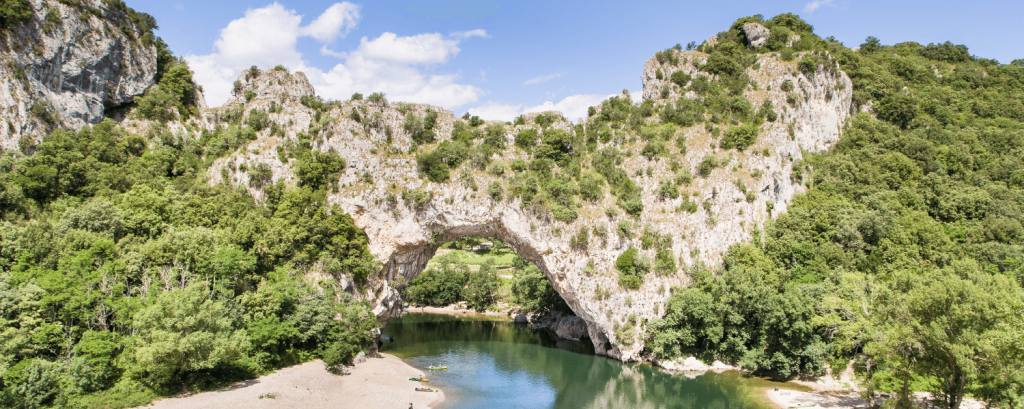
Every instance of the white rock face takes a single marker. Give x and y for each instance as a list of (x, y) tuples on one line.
[(756, 34), (77, 65), (378, 186)]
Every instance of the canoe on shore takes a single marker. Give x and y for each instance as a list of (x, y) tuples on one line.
[(425, 390), (419, 379), (805, 405)]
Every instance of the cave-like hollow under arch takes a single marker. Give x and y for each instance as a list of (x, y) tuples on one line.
[(406, 263)]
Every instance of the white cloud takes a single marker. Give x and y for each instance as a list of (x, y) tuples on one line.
[(814, 5), (417, 49), (462, 35), (541, 78), (494, 110), (336, 21), (574, 107), (388, 63)]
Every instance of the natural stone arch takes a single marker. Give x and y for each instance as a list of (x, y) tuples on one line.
[(406, 217), (408, 262)]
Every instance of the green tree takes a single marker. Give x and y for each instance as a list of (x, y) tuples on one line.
[(482, 288), (184, 331)]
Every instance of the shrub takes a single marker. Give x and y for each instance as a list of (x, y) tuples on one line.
[(356, 97), (680, 78), (898, 108), (664, 262), (155, 105), (258, 119), (438, 286), (377, 98), (495, 191), (14, 12), (319, 169), (631, 267), (417, 199), (708, 164), (432, 166), (787, 86), (260, 175), (653, 149), (526, 139), (42, 111), (668, 190), (532, 290), (482, 288), (739, 137)]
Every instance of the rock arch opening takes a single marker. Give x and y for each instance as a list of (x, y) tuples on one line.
[(408, 263)]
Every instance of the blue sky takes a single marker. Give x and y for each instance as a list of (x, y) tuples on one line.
[(502, 58)]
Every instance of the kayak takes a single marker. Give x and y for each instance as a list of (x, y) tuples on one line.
[(425, 390), (437, 368), (806, 405), (419, 379)]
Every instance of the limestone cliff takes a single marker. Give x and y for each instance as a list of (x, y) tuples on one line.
[(378, 188), (91, 56), (67, 63)]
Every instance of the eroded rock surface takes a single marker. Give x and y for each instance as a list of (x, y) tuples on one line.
[(70, 66), (381, 182), (757, 35)]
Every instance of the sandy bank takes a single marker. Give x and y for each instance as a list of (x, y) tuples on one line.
[(451, 310), (784, 399), (377, 383)]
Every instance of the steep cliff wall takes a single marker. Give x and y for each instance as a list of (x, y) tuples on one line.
[(66, 63), (381, 183), (80, 59)]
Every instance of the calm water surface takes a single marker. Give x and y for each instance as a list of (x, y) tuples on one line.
[(498, 364)]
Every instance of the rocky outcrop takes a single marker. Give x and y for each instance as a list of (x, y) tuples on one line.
[(258, 85), (563, 326), (691, 364), (757, 35), (407, 218), (64, 66)]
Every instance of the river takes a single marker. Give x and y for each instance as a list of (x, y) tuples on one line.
[(500, 364)]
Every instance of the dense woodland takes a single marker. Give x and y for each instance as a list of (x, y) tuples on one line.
[(906, 253), (125, 275)]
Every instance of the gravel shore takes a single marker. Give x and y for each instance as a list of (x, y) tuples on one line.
[(377, 383)]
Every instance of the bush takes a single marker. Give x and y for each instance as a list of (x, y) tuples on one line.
[(681, 78), (319, 170), (14, 13), (258, 119), (631, 267), (482, 288), (708, 164), (438, 286), (898, 108), (155, 105), (739, 137), (432, 166), (526, 139), (495, 191), (532, 290), (42, 111), (260, 175), (654, 149)]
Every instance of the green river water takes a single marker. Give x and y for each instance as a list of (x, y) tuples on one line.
[(499, 364)]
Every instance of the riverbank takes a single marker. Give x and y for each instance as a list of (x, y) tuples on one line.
[(376, 383), (455, 311)]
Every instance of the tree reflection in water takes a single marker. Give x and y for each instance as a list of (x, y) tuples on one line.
[(502, 364)]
